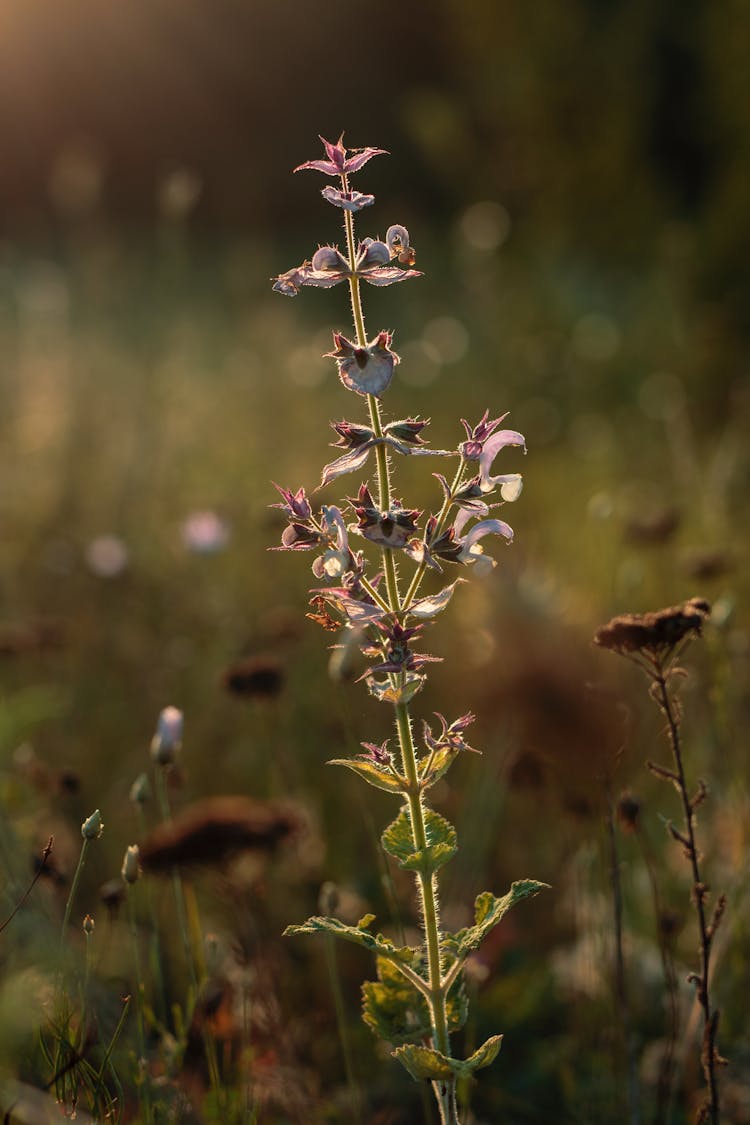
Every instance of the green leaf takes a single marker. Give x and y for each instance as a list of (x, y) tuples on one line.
[(488, 911), (427, 1063), (392, 1008), (380, 778), (358, 935), (398, 1012), (442, 760), (424, 1062), (441, 842), (483, 1056)]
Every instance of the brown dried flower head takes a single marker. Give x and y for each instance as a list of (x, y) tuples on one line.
[(628, 810), (653, 633), (214, 829)]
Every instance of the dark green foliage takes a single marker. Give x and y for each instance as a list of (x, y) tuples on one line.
[(396, 1012)]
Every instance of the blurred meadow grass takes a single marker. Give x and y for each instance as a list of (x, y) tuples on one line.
[(150, 374)]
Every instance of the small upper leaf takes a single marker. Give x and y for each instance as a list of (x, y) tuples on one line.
[(380, 778), (439, 764)]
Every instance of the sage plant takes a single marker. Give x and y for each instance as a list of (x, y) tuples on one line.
[(419, 1000)]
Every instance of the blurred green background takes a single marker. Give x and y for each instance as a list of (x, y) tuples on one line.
[(575, 180)]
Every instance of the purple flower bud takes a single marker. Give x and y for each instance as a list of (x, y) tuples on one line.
[(295, 503), (338, 163), (408, 430), (347, 200), (167, 740), (377, 754), (450, 737), (299, 537), (391, 529), (350, 434)]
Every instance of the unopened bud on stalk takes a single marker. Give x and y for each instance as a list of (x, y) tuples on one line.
[(131, 864), (88, 925), (167, 740), (140, 790), (93, 826), (328, 899)]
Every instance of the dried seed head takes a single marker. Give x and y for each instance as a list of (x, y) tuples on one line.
[(653, 633), (212, 830), (254, 678), (628, 811), (112, 893)]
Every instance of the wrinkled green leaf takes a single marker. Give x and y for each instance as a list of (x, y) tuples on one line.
[(377, 944), (398, 1013), (392, 1008), (488, 911), (441, 842), (380, 778), (425, 1062)]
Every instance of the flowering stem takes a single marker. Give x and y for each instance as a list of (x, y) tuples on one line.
[(384, 478), (436, 991)]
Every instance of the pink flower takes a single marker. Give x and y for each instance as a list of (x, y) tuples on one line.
[(483, 445)]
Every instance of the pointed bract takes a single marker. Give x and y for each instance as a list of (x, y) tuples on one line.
[(338, 163)]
